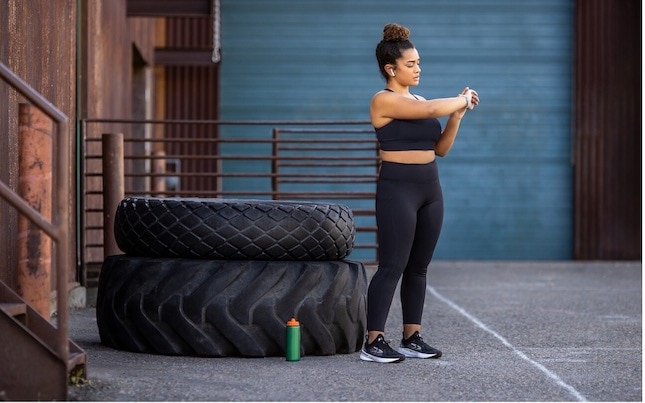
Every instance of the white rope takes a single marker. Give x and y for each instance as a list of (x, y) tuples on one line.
[(216, 34)]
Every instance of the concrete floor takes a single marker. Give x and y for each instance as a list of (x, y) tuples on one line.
[(510, 331)]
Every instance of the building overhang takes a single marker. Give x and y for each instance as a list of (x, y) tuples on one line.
[(169, 8)]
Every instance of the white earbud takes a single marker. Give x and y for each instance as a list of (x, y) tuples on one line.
[(392, 73)]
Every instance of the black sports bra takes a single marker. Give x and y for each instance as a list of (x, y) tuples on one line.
[(414, 134)]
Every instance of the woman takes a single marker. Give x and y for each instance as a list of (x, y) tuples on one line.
[(409, 202)]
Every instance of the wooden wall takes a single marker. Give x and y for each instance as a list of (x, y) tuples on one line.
[(37, 42), (111, 45), (608, 133)]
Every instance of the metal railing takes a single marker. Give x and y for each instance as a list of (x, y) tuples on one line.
[(297, 160), (57, 228)]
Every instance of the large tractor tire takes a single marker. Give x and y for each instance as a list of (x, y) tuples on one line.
[(234, 229), (230, 308)]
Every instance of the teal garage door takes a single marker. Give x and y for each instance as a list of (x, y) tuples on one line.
[(507, 182)]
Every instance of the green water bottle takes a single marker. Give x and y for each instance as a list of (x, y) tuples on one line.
[(293, 340)]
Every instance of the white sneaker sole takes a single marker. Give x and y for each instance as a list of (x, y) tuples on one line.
[(415, 354), (368, 357)]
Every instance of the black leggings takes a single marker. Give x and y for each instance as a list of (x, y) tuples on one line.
[(409, 214)]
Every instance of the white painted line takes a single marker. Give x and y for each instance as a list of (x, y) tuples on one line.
[(505, 342)]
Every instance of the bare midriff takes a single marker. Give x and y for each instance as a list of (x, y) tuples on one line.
[(408, 156)]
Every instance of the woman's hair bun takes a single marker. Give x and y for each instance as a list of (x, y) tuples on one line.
[(395, 32)]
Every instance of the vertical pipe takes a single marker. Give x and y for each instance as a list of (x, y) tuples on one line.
[(158, 167), (113, 188), (35, 187)]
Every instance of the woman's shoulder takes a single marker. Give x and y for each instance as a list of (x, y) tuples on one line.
[(388, 94), (383, 96), (384, 102), (382, 92)]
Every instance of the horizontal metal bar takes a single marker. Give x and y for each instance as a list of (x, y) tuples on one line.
[(94, 210), (240, 140), (34, 97), (235, 175), (234, 122), (323, 131), (356, 212), (323, 164), (31, 213), (301, 195), (232, 157), (363, 211), (326, 180), (336, 149)]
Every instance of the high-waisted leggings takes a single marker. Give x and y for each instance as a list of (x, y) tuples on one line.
[(409, 215)]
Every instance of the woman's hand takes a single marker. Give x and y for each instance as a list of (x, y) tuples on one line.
[(472, 97), (473, 100)]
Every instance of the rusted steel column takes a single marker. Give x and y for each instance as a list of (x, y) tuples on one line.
[(35, 187), (113, 188), (158, 167)]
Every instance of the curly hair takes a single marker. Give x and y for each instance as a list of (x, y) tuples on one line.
[(395, 41)]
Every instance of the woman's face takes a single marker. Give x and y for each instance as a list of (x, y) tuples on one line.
[(408, 69)]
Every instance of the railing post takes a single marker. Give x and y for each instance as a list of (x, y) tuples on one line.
[(35, 186), (274, 164), (158, 185), (113, 188), (60, 231)]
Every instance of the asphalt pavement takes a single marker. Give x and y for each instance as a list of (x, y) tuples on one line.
[(509, 331)]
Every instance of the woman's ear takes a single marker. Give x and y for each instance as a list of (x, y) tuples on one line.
[(389, 69)]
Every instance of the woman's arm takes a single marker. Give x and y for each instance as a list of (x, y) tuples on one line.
[(395, 106), (389, 105), (449, 134)]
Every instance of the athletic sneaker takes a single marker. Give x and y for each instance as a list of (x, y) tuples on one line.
[(380, 351), (415, 347)]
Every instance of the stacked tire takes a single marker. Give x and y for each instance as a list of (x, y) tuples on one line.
[(221, 277)]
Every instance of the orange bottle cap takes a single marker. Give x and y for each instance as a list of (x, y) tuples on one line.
[(293, 322)]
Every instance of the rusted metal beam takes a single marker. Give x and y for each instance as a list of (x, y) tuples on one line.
[(113, 187), (35, 186), (168, 8)]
